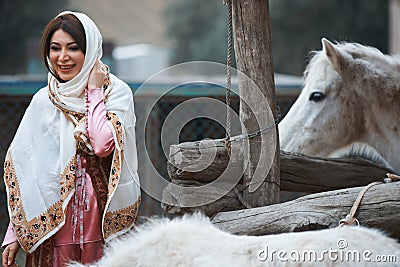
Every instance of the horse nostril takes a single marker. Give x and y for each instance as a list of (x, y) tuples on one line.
[(316, 96)]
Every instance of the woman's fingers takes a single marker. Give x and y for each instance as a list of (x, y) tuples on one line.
[(97, 75), (4, 256), (9, 254), (100, 65)]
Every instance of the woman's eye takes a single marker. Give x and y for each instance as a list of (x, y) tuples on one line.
[(316, 96), (75, 48), (54, 48)]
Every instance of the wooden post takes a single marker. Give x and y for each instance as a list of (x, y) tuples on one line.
[(394, 28), (252, 41)]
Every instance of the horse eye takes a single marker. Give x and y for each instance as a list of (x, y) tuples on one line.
[(316, 96)]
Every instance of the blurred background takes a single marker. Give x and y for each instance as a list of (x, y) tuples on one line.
[(157, 33), (143, 37)]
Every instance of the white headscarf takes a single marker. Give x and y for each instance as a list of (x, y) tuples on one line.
[(72, 91), (39, 168)]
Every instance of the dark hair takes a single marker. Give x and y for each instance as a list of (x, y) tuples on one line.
[(68, 23)]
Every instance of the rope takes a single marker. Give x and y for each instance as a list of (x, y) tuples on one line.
[(350, 219), (241, 199), (228, 78), (228, 139), (391, 178)]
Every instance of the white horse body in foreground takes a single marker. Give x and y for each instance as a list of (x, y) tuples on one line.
[(349, 106), (194, 241)]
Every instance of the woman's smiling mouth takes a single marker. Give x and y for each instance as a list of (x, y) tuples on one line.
[(66, 68)]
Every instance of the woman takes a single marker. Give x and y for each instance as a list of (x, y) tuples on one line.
[(71, 169)]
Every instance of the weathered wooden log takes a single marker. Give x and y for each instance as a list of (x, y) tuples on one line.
[(257, 95), (313, 174), (379, 209), (205, 161), (182, 197)]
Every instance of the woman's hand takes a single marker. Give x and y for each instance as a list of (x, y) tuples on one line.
[(9, 254), (96, 76)]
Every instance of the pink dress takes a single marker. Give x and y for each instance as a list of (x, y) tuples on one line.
[(80, 239)]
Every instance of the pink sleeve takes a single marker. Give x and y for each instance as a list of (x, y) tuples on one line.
[(10, 236), (99, 131)]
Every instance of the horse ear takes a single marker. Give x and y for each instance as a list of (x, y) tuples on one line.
[(335, 57)]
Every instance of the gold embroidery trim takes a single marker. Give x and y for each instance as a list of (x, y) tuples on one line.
[(116, 162), (117, 221), (31, 232), (121, 219)]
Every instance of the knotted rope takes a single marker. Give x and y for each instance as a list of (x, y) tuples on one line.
[(350, 219), (228, 78)]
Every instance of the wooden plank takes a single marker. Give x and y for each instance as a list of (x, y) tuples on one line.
[(379, 209), (205, 161), (182, 197), (307, 174)]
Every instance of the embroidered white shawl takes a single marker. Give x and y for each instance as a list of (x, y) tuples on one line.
[(40, 163)]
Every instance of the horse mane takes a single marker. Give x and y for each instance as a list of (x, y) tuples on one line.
[(361, 150), (153, 224), (358, 51), (192, 240), (155, 232)]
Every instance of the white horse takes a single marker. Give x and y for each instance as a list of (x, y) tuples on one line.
[(194, 241), (349, 106)]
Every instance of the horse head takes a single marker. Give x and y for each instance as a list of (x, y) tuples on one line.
[(349, 106)]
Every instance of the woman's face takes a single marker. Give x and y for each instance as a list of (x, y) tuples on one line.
[(66, 57)]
